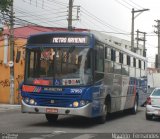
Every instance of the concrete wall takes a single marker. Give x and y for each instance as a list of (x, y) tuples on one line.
[(154, 79), (5, 72)]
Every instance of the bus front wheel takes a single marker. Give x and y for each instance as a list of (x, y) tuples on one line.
[(51, 118), (106, 108)]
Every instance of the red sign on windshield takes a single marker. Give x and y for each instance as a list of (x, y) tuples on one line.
[(41, 82)]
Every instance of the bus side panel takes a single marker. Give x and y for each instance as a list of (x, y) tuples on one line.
[(125, 87), (131, 93)]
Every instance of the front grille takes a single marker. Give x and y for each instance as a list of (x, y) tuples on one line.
[(59, 99)]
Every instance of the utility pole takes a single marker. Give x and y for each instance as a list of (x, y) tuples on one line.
[(11, 63), (158, 33), (143, 39), (132, 31), (132, 27), (70, 15)]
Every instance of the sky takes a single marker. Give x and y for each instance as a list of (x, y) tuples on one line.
[(110, 16)]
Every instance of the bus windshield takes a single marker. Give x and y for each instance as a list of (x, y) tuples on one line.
[(59, 66)]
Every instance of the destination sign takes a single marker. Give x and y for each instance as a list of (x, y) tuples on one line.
[(70, 40), (59, 39)]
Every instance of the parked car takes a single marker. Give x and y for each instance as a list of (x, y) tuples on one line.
[(153, 104)]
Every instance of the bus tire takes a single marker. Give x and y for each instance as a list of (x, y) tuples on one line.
[(135, 107), (106, 107), (51, 118), (102, 119)]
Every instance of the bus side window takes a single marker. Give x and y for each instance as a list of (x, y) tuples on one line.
[(134, 62), (120, 57), (128, 60), (113, 55), (99, 62), (140, 64), (107, 53)]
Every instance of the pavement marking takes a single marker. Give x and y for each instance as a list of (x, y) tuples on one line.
[(85, 136), (36, 138), (50, 135)]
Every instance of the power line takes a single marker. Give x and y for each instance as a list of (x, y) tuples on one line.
[(123, 4), (136, 4), (129, 4), (101, 21)]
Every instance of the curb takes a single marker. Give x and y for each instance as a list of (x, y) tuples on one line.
[(9, 106)]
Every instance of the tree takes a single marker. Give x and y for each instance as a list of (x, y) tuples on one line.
[(5, 6)]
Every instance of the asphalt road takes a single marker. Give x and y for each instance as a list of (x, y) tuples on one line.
[(35, 126)]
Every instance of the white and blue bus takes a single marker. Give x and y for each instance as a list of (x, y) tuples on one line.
[(77, 73)]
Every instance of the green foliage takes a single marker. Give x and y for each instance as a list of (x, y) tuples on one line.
[(5, 5)]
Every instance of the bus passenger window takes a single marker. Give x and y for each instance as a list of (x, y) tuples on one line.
[(117, 68), (99, 59), (137, 63), (109, 67), (124, 59), (134, 62), (125, 70), (99, 62), (113, 56), (120, 57), (106, 52), (128, 60), (117, 56), (140, 64)]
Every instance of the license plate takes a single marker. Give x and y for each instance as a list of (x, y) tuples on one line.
[(51, 110)]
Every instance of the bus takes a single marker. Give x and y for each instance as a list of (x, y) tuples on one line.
[(78, 73)]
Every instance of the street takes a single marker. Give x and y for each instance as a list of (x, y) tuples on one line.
[(13, 121)]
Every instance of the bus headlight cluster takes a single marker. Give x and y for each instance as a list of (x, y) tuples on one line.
[(80, 103), (30, 101), (75, 104), (26, 100)]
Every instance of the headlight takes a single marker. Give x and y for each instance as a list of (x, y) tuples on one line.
[(26, 100), (82, 103), (32, 101), (75, 104)]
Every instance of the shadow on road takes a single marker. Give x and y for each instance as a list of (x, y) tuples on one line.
[(82, 122)]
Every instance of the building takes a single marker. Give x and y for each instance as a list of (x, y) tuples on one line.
[(153, 75)]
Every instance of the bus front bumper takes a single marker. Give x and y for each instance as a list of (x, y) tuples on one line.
[(85, 111)]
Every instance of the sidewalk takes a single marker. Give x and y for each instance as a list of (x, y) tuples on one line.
[(9, 106)]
